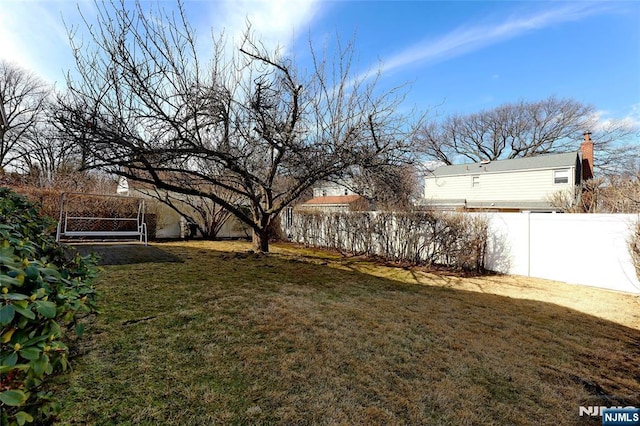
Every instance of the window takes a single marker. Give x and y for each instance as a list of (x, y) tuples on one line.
[(475, 181), (561, 176)]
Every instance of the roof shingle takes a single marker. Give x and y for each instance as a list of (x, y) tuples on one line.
[(333, 199), (528, 163)]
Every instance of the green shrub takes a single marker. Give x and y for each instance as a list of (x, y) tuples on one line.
[(45, 289)]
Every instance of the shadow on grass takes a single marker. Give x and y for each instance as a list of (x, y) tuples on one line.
[(244, 338), (126, 254)]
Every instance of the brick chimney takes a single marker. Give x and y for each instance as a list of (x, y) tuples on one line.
[(586, 147)]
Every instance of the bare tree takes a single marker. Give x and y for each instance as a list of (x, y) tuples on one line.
[(252, 123), (603, 194), (208, 216), (391, 188), (23, 97), (617, 148), (48, 155), (522, 129)]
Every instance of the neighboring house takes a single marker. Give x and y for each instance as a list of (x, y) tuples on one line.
[(334, 203), (169, 223), (329, 189), (331, 196), (522, 184)]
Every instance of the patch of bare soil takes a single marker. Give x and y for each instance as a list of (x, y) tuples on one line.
[(125, 254)]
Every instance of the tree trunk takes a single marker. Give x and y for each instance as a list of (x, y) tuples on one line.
[(261, 240)]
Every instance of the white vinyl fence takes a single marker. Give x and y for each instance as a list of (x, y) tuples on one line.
[(586, 249)]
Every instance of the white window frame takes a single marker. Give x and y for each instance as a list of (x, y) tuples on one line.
[(561, 176)]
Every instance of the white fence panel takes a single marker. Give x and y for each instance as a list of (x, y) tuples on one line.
[(588, 249), (508, 245)]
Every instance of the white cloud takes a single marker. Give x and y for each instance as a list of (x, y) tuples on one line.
[(633, 117), (34, 36), (275, 22), (603, 120), (14, 23), (474, 37)]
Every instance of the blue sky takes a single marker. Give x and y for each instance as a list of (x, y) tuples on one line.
[(457, 56)]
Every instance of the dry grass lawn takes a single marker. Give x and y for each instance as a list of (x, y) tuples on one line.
[(305, 337)]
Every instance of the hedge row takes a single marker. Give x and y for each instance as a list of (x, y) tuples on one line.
[(426, 237)]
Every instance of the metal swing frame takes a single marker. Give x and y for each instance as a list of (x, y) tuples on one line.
[(64, 232)]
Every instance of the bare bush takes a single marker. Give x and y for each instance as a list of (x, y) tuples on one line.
[(48, 198), (208, 216), (426, 238), (634, 247), (605, 194)]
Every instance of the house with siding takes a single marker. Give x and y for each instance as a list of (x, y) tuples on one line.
[(521, 184), (169, 223), (334, 203), (332, 197)]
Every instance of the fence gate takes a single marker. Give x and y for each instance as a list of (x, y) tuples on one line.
[(101, 216)]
